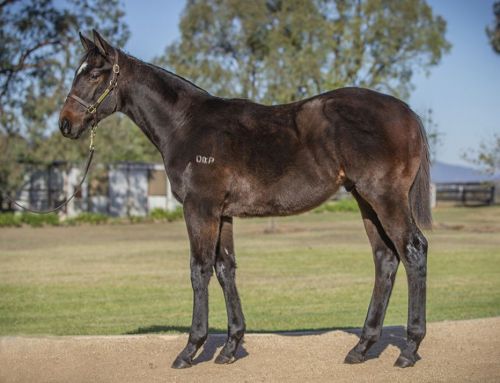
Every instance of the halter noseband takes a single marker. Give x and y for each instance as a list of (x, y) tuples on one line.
[(92, 108)]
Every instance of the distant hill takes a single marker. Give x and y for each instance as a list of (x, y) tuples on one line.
[(447, 173)]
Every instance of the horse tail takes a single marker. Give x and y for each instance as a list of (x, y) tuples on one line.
[(420, 197)]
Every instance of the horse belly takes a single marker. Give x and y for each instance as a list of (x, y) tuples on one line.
[(290, 195)]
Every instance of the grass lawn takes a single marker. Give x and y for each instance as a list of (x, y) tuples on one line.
[(316, 272)]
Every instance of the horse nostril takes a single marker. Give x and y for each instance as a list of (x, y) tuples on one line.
[(65, 127)]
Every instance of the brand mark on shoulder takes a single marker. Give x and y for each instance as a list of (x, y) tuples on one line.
[(205, 160)]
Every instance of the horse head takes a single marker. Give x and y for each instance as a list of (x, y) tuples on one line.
[(95, 80)]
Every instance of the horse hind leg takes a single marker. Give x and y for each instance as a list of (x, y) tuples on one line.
[(225, 267), (386, 265), (393, 211)]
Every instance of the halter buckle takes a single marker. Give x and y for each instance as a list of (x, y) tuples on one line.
[(92, 109), (116, 68)]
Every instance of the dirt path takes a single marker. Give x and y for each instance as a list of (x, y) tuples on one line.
[(464, 351)]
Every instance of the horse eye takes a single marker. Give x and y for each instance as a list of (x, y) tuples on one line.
[(94, 75)]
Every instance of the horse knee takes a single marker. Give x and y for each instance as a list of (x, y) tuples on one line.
[(201, 272), (225, 271)]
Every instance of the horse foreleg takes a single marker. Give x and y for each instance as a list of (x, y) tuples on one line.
[(225, 266), (203, 230)]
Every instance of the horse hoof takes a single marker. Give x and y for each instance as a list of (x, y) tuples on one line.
[(181, 363), (224, 359), (354, 357), (404, 362)]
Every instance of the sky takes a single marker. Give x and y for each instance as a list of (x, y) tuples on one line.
[(462, 91)]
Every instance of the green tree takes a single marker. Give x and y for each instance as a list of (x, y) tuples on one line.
[(39, 51), (487, 156), (494, 31), (277, 51), (434, 135)]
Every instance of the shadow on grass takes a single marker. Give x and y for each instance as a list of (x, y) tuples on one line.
[(391, 335)]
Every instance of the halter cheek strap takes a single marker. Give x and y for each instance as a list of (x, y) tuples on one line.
[(92, 108)]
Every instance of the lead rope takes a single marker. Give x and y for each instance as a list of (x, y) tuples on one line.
[(77, 189)]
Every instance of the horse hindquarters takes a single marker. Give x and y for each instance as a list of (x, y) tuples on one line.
[(384, 154)]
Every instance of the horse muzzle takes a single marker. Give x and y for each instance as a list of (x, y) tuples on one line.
[(69, 130), (65, 127)]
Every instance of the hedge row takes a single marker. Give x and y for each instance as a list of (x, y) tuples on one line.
[(39, 220)]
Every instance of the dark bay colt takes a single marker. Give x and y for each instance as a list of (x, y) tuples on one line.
[(232, 157)]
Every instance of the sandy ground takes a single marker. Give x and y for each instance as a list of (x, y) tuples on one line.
[(464, 351)]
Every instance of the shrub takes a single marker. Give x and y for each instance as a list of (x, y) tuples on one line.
[(10, 220), (138, 219), (159, 214), (33, 220), (39, 220), (90, 218)]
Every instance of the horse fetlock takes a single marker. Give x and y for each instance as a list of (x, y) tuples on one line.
[(369, 338), (197, 340), (237, 331), (415, 335), (224, 358), (228, 353)]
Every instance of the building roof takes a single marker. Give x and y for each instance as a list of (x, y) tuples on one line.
[(448, 173)]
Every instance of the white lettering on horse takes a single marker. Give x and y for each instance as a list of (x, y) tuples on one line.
[(205, 160)]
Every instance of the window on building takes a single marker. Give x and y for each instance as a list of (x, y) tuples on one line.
[(99, 182)]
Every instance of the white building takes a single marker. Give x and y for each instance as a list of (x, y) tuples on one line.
[(125, 189)]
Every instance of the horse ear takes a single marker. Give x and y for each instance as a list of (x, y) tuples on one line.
[(102, 45), (86, 43)]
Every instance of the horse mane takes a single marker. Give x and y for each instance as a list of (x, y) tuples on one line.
[(166, 72)]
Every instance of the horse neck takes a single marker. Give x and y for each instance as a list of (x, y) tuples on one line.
[(158, 101)]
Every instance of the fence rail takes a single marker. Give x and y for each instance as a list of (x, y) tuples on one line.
[(467, 193)]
